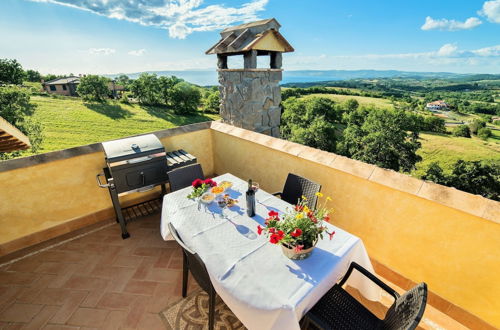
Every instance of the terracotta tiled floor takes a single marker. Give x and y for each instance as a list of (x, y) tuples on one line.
[(102, 281)]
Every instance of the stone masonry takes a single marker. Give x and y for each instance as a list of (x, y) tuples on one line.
[(251, 99)]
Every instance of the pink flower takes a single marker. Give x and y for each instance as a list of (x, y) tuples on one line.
[(298, 248), (331, 234), (296, 233)]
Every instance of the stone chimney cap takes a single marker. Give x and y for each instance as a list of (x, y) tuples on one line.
[(260, 35)]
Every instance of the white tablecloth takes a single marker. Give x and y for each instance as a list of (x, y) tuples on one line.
[(263, 288)]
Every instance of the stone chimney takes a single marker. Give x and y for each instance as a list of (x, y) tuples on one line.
[(250, 96)]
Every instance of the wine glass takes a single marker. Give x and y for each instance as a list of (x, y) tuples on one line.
[(255, 187), (222, 202)]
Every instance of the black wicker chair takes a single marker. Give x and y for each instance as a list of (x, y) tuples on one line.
[(183, 177), (337, 309), (296, 187), (192, 262)]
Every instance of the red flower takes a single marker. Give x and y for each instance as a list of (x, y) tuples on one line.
[(327, 218), (273, 213), (331, 235), (298, 248), (275, 238), (197, 183), (297, 232), (281, 234), (311, 216), (272, 230), (210, 182), (259, 229), (299, 208)]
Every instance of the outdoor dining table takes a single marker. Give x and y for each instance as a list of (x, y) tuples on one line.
[(263, 288)]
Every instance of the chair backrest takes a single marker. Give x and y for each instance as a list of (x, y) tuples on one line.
[(195, 264), (407, 310), (183, 177), (296, 187)]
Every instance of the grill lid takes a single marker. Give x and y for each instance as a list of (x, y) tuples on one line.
[(133, 147)]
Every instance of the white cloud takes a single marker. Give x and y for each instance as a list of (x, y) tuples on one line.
[(450, 24), (138, 52), (179, 17), (491, 9), (447, 50), (101, 51)]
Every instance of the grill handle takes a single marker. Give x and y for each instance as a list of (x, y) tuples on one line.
[(143, 177), (102, 185)]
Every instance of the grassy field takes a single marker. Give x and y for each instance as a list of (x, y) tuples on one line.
[(447, 149), (70, 122), (363, 100)]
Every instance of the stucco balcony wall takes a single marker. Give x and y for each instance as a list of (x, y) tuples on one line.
[(426, 232), (51, 194), (422, 231)]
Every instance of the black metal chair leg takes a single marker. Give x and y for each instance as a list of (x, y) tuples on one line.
[(211, 308), (185, 273)]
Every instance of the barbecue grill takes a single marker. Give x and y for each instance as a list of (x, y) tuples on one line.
[(137, 164)]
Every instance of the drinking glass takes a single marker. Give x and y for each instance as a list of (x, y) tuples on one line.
[(221, 201), (255, 187)]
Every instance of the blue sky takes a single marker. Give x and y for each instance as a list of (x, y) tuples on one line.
[(113, 36)]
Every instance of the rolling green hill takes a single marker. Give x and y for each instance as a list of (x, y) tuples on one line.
[(70, 122)]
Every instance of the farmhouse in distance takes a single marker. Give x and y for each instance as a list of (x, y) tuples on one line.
[(437, 105), (67, 86)]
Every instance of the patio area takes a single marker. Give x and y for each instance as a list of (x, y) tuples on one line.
[(97, 280), (64, 264)]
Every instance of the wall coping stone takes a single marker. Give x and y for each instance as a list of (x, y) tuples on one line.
[(13, 164), (473, 204), (250, 70)]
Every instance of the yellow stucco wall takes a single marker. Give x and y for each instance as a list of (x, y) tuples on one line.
[(36, 198), (455, 253)]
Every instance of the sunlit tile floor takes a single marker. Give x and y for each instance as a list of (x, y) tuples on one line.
[(99, 280)]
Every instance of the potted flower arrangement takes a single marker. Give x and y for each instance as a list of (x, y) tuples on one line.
[(299, 229), (200, 186)]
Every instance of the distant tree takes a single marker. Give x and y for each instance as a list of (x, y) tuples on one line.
[(476, 125), (33, 76), (11, 72), (462, 131), (434, 124), (93, 88), (310, 121), (381, 137), (471, 176), (350, 105), (146, 89), (166, 85), (211, 101), (16, 108), (289, 92), (123, 80), (484, 133), (185, 98), (50, 76), (435, 174)]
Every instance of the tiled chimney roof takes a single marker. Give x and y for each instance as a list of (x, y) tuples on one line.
[(260, 35)]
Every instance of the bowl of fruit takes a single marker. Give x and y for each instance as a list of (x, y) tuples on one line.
[(217, 190), (207, 198), (226, 184)]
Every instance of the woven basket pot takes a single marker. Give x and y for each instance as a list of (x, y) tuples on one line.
[(289, 251)]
